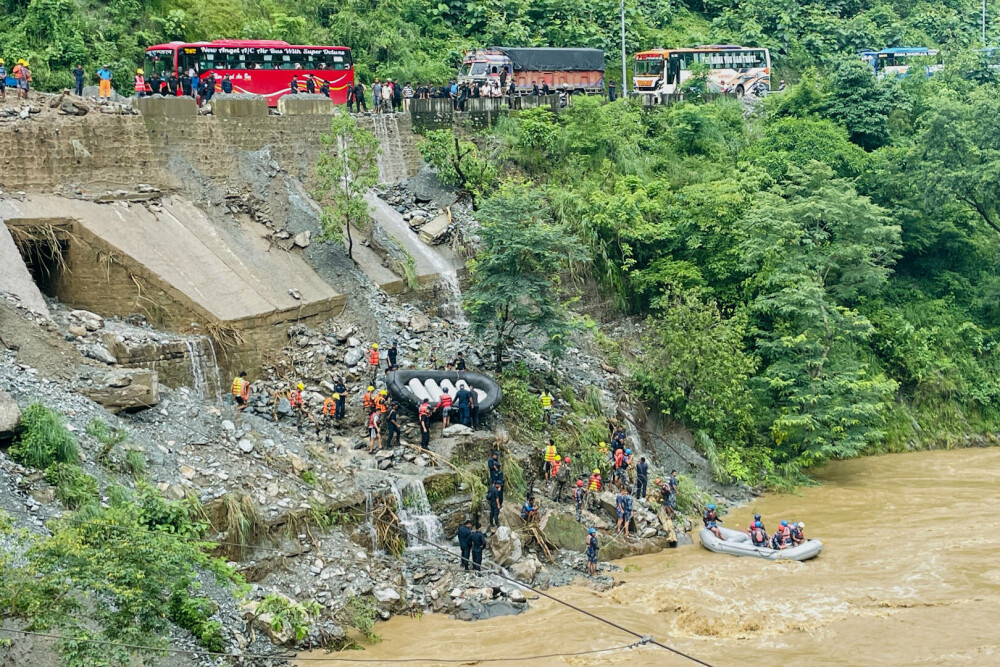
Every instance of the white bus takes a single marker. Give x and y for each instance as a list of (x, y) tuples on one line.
[(731, 69)]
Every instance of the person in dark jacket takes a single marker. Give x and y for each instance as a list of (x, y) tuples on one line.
[(612, 91), (173, 83), (310, 84), (393, 421), (293, 87), (641, 478), (78, 79), (464, 542), (393, 354), (397, 96), (227, 84), (477, 542), (494, 498), (359, 96), (493, 465), (186, 84), (462, 399), (340, 389)]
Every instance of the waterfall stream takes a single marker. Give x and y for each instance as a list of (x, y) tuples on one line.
[(391, 161), (204, 368), (413, 510)]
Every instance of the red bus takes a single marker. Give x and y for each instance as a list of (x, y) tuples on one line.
[(257, 66)]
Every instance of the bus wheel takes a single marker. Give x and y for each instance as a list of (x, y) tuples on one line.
[(739, 91)]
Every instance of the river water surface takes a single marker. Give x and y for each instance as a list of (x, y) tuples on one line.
[(910, 574)]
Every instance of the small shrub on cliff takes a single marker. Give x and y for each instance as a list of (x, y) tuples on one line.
[(74, 487), (44, 439)]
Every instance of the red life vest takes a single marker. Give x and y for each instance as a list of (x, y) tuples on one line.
[(619, 457), (425, 410), (373, 358), (445, 401), (140, 84), (380, 403), (295, 398), (328, 406), (367, 400)]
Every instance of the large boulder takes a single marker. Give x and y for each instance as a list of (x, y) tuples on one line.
[(526, 569), (505, 546), (564, 531), (124, 389), (10, 416)]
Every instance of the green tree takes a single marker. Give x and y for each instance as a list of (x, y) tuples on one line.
[(347, 169), (515, 277), (815, 248), (861, 103), (459, 163), (694, 367), (957, 154)]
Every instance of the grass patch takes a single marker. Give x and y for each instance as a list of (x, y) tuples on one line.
[(309, 477), (74, 487), (360, 613), (44, 439), (135, 464), (194, 615), (107, 436), (441, 487), (242, 523)]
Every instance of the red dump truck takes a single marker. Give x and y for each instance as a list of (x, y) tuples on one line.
[(578, 71)]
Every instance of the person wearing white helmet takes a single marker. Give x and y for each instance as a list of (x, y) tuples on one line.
[(798, 533)]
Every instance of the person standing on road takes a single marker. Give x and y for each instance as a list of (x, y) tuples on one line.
[(407, 96), (397, 97), (465, 542), (186, 84), (359, 97), (227, 85), (612, 91), (377, 97)]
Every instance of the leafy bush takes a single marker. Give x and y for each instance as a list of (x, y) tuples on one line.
[(194, 615), (74, 487), (44, 439), (360, 613), (286, 613)]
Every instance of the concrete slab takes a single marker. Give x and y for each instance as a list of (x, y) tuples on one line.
[(229, 272), (430, 232), (431, 263), (15, 277)]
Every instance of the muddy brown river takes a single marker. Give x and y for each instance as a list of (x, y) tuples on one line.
[(910, 574)]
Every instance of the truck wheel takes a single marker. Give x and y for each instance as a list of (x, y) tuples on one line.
[(739, 91)]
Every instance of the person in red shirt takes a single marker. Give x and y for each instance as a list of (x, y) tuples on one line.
[(445, 406)]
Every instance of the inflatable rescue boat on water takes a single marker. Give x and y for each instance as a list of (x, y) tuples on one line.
[(411, 387), (738, 543)]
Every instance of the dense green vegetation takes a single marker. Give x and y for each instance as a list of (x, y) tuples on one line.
[(818, 277), (424, 39)]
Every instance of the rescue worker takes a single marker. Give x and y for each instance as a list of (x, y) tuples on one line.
[(464, 542), (477, 542), (293, 87), (368, 399), (382, 402), (240, 391), (712, 521), (392, 419), (310, 84), (641, 478), (460, 363), (295, 400), (153, 84), (592, 551), (623, 505), (578, 495), (672, 500), (173, 83), (340, 391), (392, 353), (328, 406), (324, 90), (782, 538), (373, 431), (529, 512), (373, 361), (758, 536), (424, 415), (546, 400), (494, 498), (227, 85), (77, 79), (139, 84), (562, 480), (104, 83), (757, 519), (474, 409), (550, 458), (664, 489), (797, 533), (593, 487), (493, 465), (444, 405), (462, 398)]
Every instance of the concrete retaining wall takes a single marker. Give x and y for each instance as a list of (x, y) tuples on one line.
[(104, 151), (242, 107), (166, 107), (293, 105)]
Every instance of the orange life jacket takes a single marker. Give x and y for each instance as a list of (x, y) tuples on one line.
[(373, 358), (367, 400), (595, 483), (555, 466), (425, 410), (140, 84), (380, 403), (295, 398), (328, 406)]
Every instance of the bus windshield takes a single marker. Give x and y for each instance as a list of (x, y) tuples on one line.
[(477, 68), (652, 66)]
